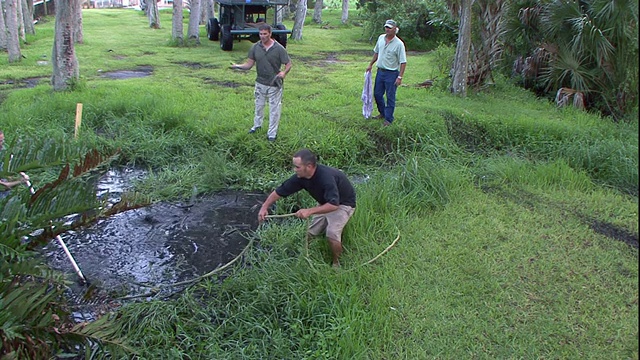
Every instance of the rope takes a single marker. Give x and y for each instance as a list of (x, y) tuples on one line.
[(279, 216), (383, 251), (393, 243), (386, 250)]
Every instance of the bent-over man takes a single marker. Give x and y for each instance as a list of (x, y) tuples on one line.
[(332, 190)]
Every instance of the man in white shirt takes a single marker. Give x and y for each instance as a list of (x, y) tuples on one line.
[(391, 56)]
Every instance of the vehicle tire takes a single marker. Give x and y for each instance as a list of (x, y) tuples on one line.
[(281, 38), (213, 29), (226, 39)]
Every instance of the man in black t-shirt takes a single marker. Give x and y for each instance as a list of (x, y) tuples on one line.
[(332, 190)]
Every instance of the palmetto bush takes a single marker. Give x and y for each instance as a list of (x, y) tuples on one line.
[(34, 321), (589, 48)]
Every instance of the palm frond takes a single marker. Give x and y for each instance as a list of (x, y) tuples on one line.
[(568, 70)]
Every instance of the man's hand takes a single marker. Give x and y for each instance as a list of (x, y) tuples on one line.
[(262, 215), (303, 213)]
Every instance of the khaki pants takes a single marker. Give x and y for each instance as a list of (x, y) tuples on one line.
[(273, 94), (331, 223)]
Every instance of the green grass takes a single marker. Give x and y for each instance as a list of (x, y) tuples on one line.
[(496, 198)]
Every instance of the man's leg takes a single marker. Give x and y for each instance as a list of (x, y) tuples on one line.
[(378, 91), (260, 100), (336, 221), (390, 90), (275, 108)]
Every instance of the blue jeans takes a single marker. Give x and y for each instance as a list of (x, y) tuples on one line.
[(386, 84)]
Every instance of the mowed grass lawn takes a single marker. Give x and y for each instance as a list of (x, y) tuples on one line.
[(517, 220)]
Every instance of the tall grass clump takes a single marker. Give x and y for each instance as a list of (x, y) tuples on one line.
[(607, 154), (509, 171)]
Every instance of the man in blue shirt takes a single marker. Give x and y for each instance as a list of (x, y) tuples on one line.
[(391, 57), (332, 190)]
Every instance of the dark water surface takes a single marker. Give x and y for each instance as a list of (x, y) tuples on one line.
[(161, 244)]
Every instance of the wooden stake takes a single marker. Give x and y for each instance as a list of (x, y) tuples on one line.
[(78, 119)]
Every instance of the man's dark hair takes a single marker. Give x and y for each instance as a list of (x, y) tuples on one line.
[(306, 156), (265, 27)]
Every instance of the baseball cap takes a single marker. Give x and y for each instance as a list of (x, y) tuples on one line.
[(390, 23)]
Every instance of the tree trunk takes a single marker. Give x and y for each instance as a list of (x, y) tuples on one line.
[(27, 18), (486, 55), (78, 36), (30, 7), (3, 30), (461, 60), (193, 33), (153, 14), (65, 64), (317, 11), (206, 11), (286, 11), (345, 11), (20, 17), (177, 31), (13, 37), (280, 13), (301, 13)]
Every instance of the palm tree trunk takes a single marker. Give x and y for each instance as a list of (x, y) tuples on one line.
[(3, 32), (13, 36), (65, 63), (20, 17), (79, 35), (177, 30), (461, 60), (345, 11), (317, 11), (27, 18), (153, 14), (193, 32), (301, 13)]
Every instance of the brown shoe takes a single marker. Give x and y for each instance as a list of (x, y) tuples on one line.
[(386, 123), (380, 116)]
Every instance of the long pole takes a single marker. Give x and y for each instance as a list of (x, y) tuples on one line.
[(58, 237)]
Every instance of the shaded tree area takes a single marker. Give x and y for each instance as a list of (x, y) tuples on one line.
[(583, 53), (424, 24)]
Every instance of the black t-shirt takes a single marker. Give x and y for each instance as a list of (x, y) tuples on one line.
[(327, 185)]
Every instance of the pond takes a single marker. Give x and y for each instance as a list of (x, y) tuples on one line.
[(161, 244)]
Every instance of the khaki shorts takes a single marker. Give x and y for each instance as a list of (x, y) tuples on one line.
[(331, 223)]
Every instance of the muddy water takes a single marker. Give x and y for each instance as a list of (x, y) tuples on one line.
[(161, 244)]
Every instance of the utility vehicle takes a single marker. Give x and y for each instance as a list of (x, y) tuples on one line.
[(240, 19)]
